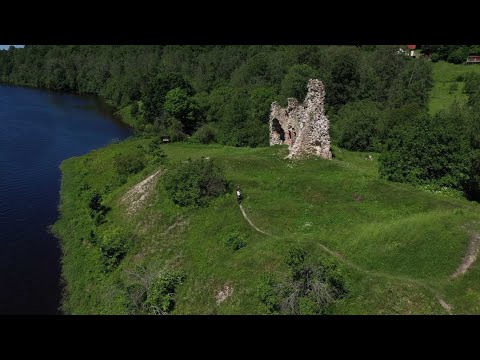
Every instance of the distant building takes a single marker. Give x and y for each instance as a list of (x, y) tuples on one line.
[(408, 50), (473, 59), (412, 50)]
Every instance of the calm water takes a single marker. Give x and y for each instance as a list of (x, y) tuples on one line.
[(39, 129)]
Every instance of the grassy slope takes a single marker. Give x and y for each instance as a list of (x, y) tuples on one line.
[(402, 238), (444, 75), (126, 116)]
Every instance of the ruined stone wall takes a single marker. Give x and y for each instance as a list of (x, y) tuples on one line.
[(304, 127)]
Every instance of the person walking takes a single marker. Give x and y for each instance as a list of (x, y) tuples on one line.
[(239, 194)]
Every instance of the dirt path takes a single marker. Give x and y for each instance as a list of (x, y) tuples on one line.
[(415, 282), (470, 256), (347, 262), (251, 224), (136, 196)]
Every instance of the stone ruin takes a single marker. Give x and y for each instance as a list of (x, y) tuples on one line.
[(304, 127)]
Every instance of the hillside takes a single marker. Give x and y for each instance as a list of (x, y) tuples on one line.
[(448, 84), (396, 245)]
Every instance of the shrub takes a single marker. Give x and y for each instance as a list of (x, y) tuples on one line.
[(206, 134), (156, 152), (161, 293), (128, 164), (472, 83), (235, 241), (169, 126), (134, 110), (267, 293), (458, 56), (453, 87), (98, 211), (312, 287), (195, 182), (114, 245)]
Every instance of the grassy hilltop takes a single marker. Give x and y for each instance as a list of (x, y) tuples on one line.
[(395, 245)]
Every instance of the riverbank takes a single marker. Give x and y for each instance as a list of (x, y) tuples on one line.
[(121, 113)]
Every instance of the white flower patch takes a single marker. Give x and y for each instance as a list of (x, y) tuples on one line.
[(307, 225)]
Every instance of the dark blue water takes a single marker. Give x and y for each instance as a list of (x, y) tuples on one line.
[(39, 129)]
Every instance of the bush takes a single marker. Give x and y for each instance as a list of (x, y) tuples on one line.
[(161, 293), (458, 56), (156, 152), (472, 84), (167, 125), (235, 241), (195, 183), (312, 287), (114, 245), (267, 292), (453, 87), (134, 110), (98, 211), (206, 134), (128, 164)]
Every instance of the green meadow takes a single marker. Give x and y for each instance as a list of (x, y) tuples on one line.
[(448, 85), (395, 245)]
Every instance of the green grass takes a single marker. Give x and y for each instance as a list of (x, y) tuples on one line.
[(126, 116), (404, 241), (444, 75)]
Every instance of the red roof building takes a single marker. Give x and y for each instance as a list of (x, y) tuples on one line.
[(412, 47), (473, 59)]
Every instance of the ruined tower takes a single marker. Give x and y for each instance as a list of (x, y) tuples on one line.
[(304, 127)]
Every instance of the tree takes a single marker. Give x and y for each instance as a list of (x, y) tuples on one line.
[(156, 91), (357, 124), (295, 82), (429, 150), (260, 101), (345, 76), (181, 106)]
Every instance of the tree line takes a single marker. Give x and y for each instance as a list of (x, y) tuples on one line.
[(376, 98), (219, 93)]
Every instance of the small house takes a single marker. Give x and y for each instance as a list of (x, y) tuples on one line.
[(473, 59), (412, 50)]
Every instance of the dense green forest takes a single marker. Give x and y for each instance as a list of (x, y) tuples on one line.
[(377, 99)]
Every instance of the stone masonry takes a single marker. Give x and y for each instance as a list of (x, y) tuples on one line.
[(304, 127)]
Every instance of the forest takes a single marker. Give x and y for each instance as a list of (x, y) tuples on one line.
[(376, 98)]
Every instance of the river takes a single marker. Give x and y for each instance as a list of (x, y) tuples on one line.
[(38, 130)]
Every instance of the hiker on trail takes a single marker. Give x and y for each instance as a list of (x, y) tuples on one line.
[(239, 194)]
